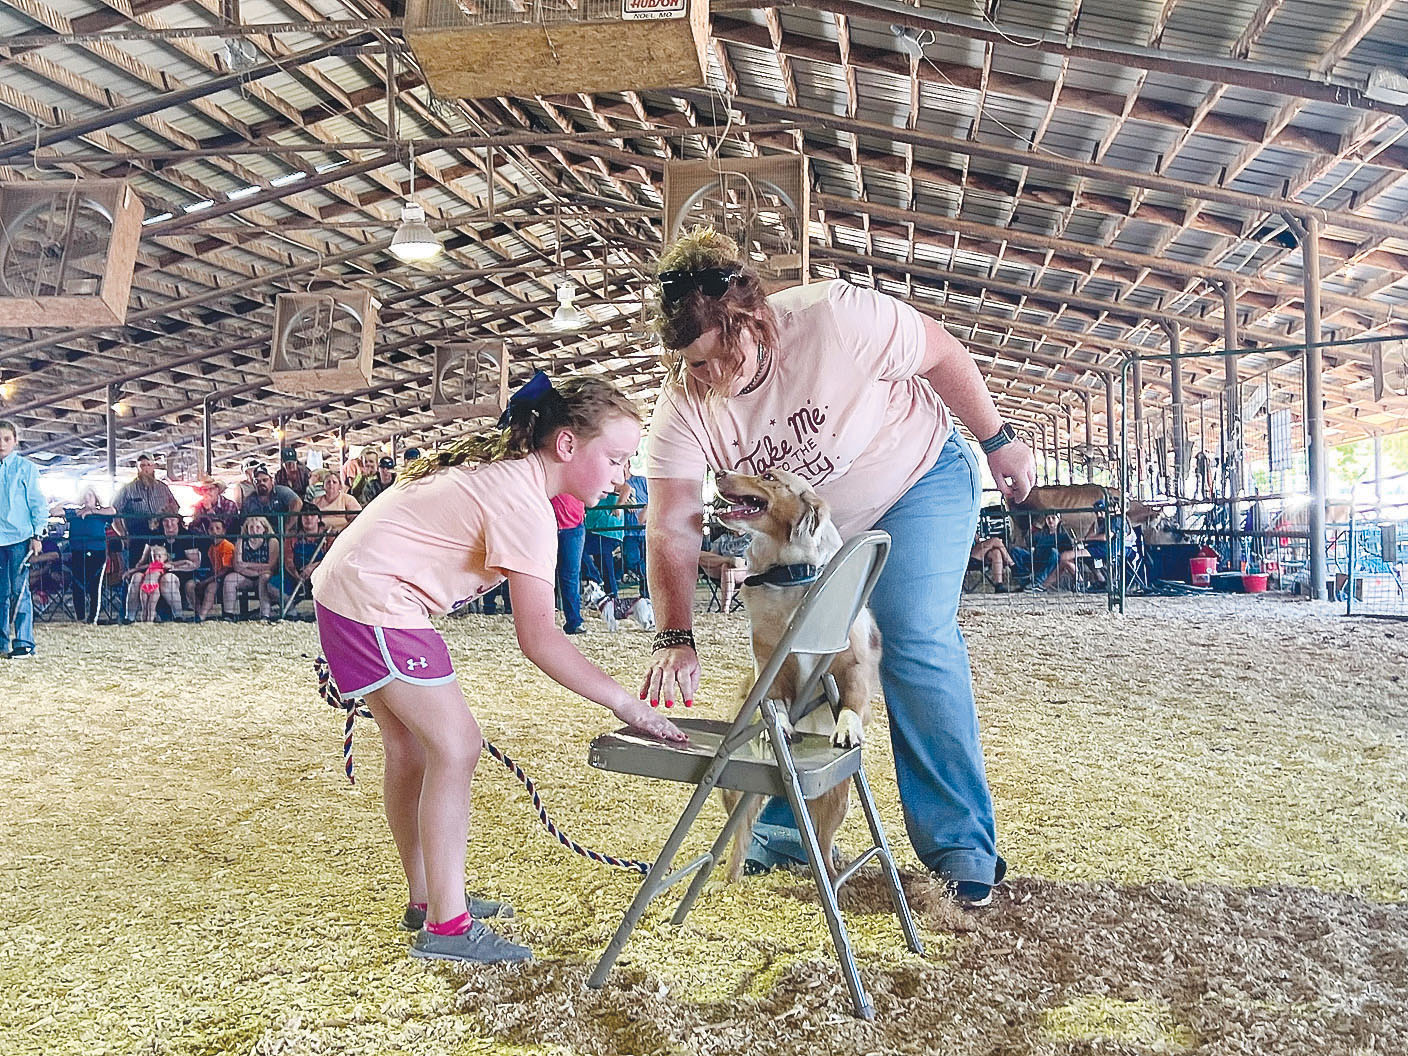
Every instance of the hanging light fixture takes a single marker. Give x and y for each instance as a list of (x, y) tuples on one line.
[(568, 316), (414, 241)]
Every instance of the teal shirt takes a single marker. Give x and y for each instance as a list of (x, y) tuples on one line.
[(605, 519), (24, 513)]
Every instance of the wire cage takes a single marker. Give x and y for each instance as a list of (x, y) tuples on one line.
[(67, 252), (474, 49)]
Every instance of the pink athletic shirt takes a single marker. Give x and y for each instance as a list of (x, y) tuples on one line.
[(430, 545), (841, 406)]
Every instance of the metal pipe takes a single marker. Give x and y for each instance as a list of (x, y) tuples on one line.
[(1175, 348), (1232, 418), (110, 430), (1316, 466), (206, 432), (1089, 440), (1137, 407), (1070, 448), (1110, 445)]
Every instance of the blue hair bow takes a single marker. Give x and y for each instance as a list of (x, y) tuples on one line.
[(530, 392)]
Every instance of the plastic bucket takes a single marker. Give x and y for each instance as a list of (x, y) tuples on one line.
[(1202, 569), (1254, 582)]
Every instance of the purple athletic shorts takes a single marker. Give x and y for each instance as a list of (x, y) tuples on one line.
[(363, 658)]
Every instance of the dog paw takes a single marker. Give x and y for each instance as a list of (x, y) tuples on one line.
[(848, 730), (783, 720)]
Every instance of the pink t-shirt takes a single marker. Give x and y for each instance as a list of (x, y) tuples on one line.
[(430, 545), (841, 406)]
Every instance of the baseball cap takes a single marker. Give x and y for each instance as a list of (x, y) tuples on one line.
[(288, 454), (412, 453), (387, 462)]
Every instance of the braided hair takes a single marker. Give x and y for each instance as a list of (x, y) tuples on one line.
[(581, 404)]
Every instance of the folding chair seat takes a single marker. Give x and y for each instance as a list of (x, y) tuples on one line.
[(753, 755)]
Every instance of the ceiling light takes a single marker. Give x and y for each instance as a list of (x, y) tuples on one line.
[(414, 241), (568, 316)]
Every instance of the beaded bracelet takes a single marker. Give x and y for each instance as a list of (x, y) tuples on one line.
[(671, 637)]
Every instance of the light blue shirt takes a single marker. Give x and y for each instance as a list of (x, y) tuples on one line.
[(24, 513)]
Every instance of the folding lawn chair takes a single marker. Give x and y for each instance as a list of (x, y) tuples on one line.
[(756, 758)]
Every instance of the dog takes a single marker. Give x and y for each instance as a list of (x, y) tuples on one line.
[(613, 610), (788, 524)]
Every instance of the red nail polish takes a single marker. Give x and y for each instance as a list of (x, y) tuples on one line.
[(689, 703), (669, 703), (654, 703)]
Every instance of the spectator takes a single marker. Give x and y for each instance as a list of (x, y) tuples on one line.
[(255, 560), (182, 561), (633, 542), (142, 500), (88, 549), (245, 488), (23, 517), (385, 477), (274, 502), (604, 523), (213, 505), (570, 536), (412, 453), (1053, 552), (293, 474), (303, 551), (335, 503), (366, 474), (992, 552), (218, 561), (724, 560)]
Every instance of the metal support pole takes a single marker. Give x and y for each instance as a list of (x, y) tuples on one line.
[(1070, 450), (1308, 230), (206, 435), (1379, 482), (1110, 447), (1089, 440), (1136, 401), (1180, 469), (1232, 420), (110, 420)]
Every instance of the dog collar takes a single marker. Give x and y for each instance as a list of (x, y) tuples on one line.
[(784, 576)]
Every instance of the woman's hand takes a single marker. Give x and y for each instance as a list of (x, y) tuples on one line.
[(673, 675), (651, 723), (1013, 469)]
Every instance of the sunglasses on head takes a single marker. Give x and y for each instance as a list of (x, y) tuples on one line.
[(711, 282)]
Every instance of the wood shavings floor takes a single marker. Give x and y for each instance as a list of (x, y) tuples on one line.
[(1204, 802)]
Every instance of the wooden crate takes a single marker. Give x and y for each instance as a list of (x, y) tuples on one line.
[(322, 342), (475, 49), (67, 252)]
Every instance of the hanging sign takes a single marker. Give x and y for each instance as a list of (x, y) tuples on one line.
[(649, 10)]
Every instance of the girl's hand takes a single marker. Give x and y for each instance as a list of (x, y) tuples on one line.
[(651, 723), (673, 675)]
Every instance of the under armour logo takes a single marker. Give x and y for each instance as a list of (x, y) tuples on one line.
[(411, 664)]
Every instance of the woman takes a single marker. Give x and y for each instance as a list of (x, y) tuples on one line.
[(88, 549), (335, 504), (255, 562), (183, 559), (851, 390)]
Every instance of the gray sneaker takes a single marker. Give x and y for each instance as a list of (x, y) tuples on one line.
[(479, 908), (478, 944)]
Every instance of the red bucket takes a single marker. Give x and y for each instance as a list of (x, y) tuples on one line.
[(1254, 583), (1202, 569)]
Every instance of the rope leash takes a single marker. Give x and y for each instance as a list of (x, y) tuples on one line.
[(355, 709)]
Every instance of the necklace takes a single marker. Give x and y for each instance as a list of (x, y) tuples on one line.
[(764, 359)]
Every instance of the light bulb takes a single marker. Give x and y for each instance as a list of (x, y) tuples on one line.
[(414, 241)]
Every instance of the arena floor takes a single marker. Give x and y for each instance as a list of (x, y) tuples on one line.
[(1203, 801)]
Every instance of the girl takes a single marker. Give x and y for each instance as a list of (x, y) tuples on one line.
[(457, 522), (256, 558), (156, 558)]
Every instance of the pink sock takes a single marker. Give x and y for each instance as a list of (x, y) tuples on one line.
[(422, 906), (458, 926)]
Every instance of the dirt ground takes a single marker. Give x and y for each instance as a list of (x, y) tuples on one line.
[(1204, 803)]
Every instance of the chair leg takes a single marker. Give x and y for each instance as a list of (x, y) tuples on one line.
[(716, 855), (887, 863), (657, 880), (839, 938)]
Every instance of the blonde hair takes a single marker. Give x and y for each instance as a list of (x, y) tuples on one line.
[(583, 405), (256, 519), (743, 305)]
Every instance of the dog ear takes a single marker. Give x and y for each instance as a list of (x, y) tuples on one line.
[(813, 510)]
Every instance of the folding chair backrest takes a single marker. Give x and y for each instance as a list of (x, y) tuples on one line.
[(821, 626)]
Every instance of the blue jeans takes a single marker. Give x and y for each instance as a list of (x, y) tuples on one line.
[(569, 574), (15, 584), (925, 673), (600, 560)]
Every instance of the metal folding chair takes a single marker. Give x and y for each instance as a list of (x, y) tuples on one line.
[(755, 757)]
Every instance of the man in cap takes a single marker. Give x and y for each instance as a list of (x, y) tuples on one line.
[(293, 474), (142, 500), (273, 501), (385, 477)]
